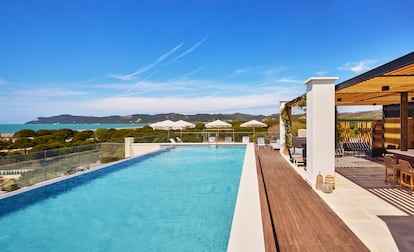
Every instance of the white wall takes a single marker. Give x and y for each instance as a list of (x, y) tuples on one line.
[(135, 149), (320, 124)]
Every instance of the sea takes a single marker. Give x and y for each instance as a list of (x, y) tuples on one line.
[(12, 128)]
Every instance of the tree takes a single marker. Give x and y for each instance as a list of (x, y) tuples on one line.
[(41, 140), (4, 145), (47, 146), (24, 133), (119, 135), (44, 132), (62, 135), (103, 135), (84, 135), (23, 143)]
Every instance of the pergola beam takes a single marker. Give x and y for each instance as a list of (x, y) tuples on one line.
[(404, 121)]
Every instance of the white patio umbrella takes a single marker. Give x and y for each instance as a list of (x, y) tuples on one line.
[(183, 125), (253, 124), (218, 124), (164, 125)]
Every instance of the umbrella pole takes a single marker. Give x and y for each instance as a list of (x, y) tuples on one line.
[(254, 135)]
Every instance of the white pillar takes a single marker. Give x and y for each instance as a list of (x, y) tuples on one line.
[(282, 130), (320, 124), (128, 146)]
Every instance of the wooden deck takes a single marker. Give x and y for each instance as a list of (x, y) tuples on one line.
[(295, 218)]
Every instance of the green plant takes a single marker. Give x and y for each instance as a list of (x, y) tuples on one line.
[(339, 131), (11, 187), (302, 101), (285, 115)]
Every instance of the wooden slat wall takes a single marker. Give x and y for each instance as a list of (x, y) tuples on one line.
[(377, 133), (392, 131)]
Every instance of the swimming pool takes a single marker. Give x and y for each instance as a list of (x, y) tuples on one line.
[(177, 200)]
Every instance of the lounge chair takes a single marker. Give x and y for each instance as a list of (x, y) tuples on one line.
[(297, 155), (261, 142), (172, 140), (211, 139), (212, 142), (228, 139), (245, 139), (275, 145), (179, 140)]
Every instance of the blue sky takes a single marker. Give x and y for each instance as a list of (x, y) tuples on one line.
[(105, 58)]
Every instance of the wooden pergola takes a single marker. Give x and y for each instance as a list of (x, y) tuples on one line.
[(391, 83), (383, 85)]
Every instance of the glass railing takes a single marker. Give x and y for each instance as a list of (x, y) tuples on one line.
[(29, 168), (203, 136), (21, 170)]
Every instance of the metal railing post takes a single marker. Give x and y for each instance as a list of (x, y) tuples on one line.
[(44, 162), (78, 164)]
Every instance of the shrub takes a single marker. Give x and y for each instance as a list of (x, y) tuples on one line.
[(25, 133)]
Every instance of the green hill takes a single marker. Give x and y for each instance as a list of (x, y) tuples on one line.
[(146, 118)]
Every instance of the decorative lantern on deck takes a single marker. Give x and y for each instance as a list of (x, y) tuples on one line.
[(319, 181), (331, 180), (326, 187)]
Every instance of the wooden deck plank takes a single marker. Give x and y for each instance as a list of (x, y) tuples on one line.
[(303, 221), (268, 231)]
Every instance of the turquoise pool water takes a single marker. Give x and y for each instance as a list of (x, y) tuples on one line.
[(178, 200)]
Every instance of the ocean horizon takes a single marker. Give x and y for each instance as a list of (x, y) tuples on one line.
[(12, 128)]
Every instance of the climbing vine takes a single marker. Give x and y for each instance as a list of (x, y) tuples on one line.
[(302, 101), (285, 115)]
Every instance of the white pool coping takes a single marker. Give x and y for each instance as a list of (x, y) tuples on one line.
[(247, 228)]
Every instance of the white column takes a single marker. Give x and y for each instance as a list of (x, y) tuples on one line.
[(282, 130), (128, 146), (320, 124)]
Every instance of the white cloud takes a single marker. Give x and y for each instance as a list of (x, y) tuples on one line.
[(185, 76), (270, 72), (191, 49), (137, 73), (49, 92), (241, 71), (358, 67), (181, 95), (321, 73), (2, 82), (112, 86), (288, 80), (207, 104), (131, 76)]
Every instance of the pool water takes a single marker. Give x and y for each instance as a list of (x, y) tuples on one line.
[(182, 199)]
